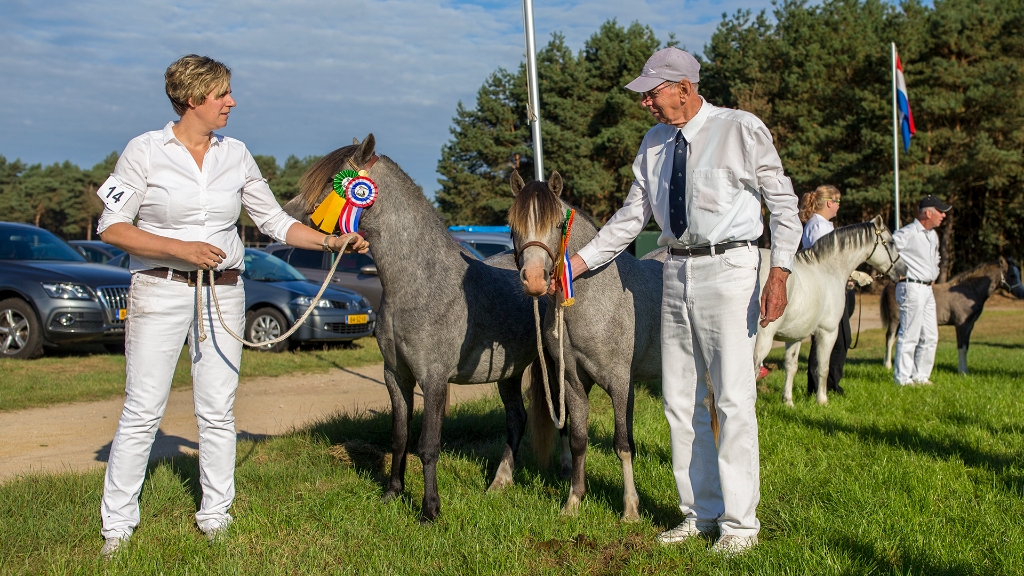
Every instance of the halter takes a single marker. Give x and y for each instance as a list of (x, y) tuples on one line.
[(1003, 282), (880, 241)]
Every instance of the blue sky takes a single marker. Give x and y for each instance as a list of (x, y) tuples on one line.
[(79, 79)]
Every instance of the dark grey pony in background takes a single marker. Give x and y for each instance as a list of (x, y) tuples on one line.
[(958, 302), (817, 294), (612, 334), (444, 316)]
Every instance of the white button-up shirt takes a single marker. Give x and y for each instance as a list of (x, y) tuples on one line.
[(919, 248), (815, 228), (175, 199), (731, 164)]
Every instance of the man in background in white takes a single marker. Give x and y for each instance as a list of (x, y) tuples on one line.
[(918, 337), (702, 172)]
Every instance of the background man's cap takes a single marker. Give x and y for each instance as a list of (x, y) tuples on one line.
[(667, 65), (933, 202)]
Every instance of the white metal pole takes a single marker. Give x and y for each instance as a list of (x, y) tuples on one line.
[(895, 143), (533, 97)]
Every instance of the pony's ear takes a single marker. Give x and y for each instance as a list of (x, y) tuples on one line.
[(1003, 264), (879, 223), (365, 151), (355, 141), (517, 182), (555, 183)]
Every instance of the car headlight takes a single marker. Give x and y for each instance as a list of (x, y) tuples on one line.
[(67, 291), (364, 303), (305, 301)]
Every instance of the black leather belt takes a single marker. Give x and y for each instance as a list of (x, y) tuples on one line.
[(707, 250), (916, 281), (220, 277)]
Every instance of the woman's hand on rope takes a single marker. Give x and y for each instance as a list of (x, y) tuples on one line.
[(201, 255), (356, 243)]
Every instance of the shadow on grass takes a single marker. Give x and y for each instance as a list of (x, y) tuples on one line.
[(1004, 467), (902, 561)]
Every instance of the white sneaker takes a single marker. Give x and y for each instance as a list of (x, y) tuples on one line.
[(731, 545), (217, 533), (689, 528), (923, 383), (111, 546)]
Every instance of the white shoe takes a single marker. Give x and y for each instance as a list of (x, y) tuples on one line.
[(112, 545), (731, 545), (689, 528), (217, 532), (923, 383)]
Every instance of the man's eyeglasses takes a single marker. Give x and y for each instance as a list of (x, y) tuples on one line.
[(652, 94)]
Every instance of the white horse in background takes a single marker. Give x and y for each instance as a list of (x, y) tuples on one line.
[(816, 291)]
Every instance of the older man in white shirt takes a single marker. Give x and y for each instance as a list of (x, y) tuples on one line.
[(918, 337), (702, 173)]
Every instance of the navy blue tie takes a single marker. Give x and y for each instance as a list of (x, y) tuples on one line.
[(677, 188)]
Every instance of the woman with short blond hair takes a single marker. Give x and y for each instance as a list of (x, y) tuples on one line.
[(172, 203)]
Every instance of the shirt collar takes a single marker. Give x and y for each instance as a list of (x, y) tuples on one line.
[(918, 226), (691, 128), (168, 135)]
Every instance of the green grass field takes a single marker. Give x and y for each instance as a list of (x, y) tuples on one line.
[(924, 480), (82, 373)]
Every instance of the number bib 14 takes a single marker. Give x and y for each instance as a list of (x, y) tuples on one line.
[(114, 194)]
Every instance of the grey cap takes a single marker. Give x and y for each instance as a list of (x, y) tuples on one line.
[(667, 65)]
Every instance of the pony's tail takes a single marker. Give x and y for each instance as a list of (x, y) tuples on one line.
[(542, 430), (887, 306)]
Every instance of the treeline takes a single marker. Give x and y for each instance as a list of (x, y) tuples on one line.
[(820, 78), (62, 197)]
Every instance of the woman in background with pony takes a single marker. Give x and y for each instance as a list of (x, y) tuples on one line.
[(817, 209)]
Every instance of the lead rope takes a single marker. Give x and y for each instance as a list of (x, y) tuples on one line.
[(560, 420), (283, 337), (860, 313)]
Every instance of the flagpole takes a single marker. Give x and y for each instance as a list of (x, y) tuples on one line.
[(895, 143), (533, 92)]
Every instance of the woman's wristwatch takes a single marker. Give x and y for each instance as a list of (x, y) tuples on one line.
[(326, 243)]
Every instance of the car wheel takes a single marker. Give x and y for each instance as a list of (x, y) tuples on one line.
[(264, 325), (20, 333)]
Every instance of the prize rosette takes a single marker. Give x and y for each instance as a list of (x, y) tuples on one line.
[(361, 191)]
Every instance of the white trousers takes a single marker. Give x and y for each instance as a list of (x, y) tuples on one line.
[(919, 333), (161, 315), (710, 310)]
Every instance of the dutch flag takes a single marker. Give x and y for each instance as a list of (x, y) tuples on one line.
[(905, 118)]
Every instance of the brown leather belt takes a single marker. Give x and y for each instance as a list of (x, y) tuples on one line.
[(706, 250), (220, 277)]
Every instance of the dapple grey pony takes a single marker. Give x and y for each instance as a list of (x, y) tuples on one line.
[(816, 291), (958, 302), (444, 316), (612, 334)]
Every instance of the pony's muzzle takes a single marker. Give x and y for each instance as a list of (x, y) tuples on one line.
[(535, 280)]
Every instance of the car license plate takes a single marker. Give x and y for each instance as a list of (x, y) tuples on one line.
[(358, 318), (122, 313)]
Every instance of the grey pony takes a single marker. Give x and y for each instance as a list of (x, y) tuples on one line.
[(612, 332), (444, 316), (958, 302)]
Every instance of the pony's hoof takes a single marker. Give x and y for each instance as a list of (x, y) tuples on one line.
[(499, 484), (788, 402), (822, 401), (572, 506), (389, 496), (630, 516)]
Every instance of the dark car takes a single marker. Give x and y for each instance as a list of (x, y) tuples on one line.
[(276, 296), (50, 295), (487, 240), (96, 251)]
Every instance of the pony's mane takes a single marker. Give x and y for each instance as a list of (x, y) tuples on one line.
[(313, 181), (535, 197), (836, 241), (986, 269)]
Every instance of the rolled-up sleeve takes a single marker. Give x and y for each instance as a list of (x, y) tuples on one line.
[(131, 171), (261, 205), (777, 190)]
